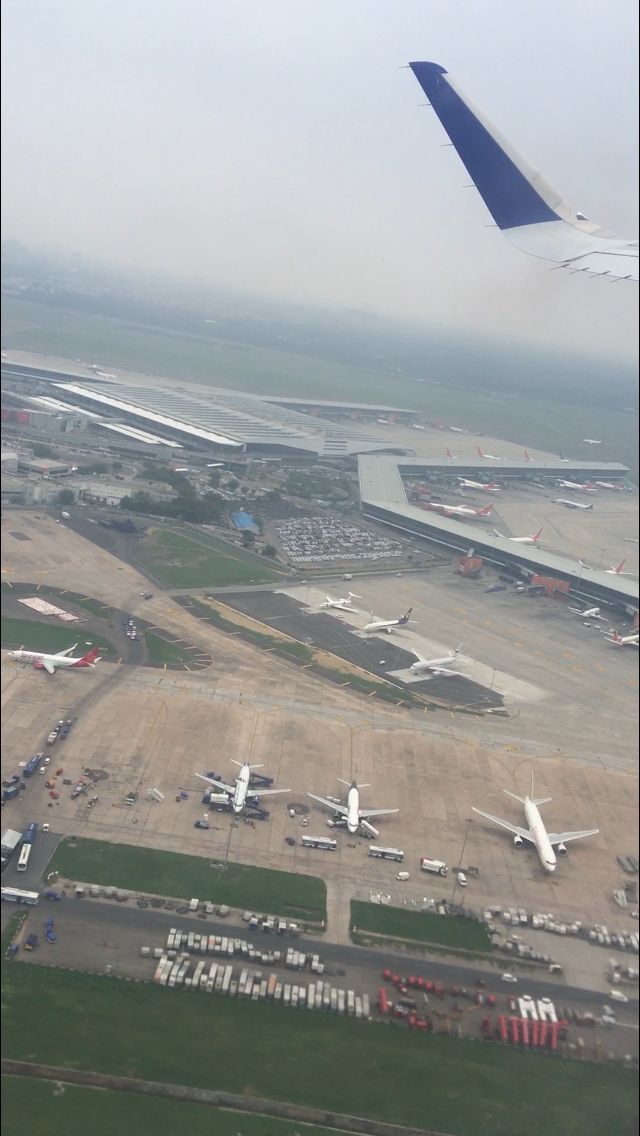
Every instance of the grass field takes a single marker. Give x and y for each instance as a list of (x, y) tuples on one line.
[(460, 1087), (423, 927), (35, 636), (185, 559), (164, 651), (97, 607), (520, 417), (171, 874), (41, 1108)]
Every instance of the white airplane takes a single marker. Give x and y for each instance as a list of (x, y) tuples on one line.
[(570, 504), (592, 441), (607, 485), (533, 539), (589, 613), (459, 510), (416, 426), (623, 640), (536, 833), (616, 570), (488, 457), (524, 207), (389, 624), (341, 604), (489, 486), (239, 795), (351, 814), (51, 663), (457, 430), (437, 667), (584, 487)]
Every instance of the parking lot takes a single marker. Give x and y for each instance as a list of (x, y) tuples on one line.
[(325, 538)]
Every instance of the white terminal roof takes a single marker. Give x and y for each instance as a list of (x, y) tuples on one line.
[(383, 496), (139, 435), (227, 418)]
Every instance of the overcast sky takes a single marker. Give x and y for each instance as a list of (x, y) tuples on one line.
[(277, 147)]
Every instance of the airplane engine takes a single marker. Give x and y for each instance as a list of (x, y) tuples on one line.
[(562, 849), (517, 840)]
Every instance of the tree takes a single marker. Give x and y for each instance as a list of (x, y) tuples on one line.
[(270, 550), (117, 467), (214, 478), (66, 497), (233, 484), (248, 538)]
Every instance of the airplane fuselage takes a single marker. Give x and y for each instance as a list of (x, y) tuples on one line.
[(239, 798), (353, 809), (539, 834)]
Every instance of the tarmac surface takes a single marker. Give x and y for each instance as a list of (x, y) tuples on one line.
[(146, 728)]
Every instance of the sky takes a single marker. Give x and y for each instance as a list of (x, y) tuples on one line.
[(280, 148)]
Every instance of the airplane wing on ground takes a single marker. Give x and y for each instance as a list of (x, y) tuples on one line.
[(218, 784), (267, 792), (527, 210), (514, 828), (330, 804), (364, 814), (564, 837)]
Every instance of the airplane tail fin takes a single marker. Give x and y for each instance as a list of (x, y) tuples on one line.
[(526, 456), (485, 511), (405, 618), (353, 596), (620, 566), (538, 534), (479, 452), (364, 784), (535, 800), (241, 763), (448, 452)]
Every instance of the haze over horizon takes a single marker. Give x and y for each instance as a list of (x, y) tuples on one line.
[(279, 151)]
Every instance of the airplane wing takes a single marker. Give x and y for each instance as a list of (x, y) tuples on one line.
[(218, 784), (45, 665), (514, 828), (419, 657), (330, 804), (527, 210), (266, 792), (68, 650), (364, 814), (564, 837)]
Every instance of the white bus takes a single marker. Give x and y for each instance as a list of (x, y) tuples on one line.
[(23, 861), (320, 842), (386, 853), (14, 895)]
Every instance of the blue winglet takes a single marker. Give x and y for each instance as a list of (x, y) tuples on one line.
[(506, 191)]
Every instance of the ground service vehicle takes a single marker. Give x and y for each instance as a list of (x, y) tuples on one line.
[(324, 842), (386, 853), (438, 867), (23, 859), (10, 841)]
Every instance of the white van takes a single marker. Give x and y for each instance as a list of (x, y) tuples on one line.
[(462, 879), (402, 876)]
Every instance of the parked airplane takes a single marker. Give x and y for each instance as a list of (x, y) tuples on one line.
[(584, 487), (592, 441), (459, 510), (590, 613), (536, 832), (457, 430), (389, 624), (450, 455), (351, 814), (570, 504), (489, 486), (341, 604), (524, 207), (533, 539), (51, 663), (437, 667), (616, 570), (607, 485), (623, 640), (488, 457), (238, 796)]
